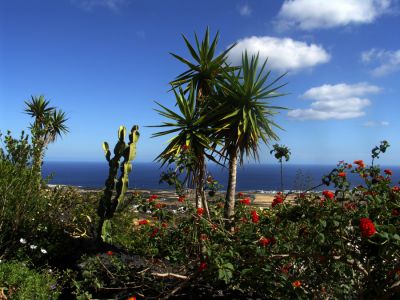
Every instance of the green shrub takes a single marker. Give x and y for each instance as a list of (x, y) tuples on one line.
[(19, 282)]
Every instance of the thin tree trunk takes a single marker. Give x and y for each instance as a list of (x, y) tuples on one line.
[(229, 210), (281, 177), (201, 200)]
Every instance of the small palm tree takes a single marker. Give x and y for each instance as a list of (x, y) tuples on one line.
[(190, 132), (281, 151), (242, 117), (49, 123)]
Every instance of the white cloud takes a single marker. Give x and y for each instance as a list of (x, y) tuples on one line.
[(89, 5), (340, 101), (312, 14), (282, 53), (245, 10), (385, 61), (375, 124)]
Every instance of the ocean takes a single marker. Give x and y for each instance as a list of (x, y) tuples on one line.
[(251, 177)]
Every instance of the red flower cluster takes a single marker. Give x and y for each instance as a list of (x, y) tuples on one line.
[(296, 283), (155, 232), (277, 200), (267, 241), (159, 205), (367, 228), (200, 211), (110, 253), (152, 198), (328, 194), (254, 216), (388, 172), (131, 298), (342, 174), (202, 266), (240, 195), (359, 163), (181, 199), (396, 189), (203, 237), (245, 201), (144, 222)]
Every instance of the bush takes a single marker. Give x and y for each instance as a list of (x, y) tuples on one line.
[(17, 281)]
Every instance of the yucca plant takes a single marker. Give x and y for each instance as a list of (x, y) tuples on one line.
[(48, 124), (191, 133), (242, 116), (204, 72)]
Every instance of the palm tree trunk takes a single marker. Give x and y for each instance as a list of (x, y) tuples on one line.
[(201, 200), (281, 177), (229, 210)]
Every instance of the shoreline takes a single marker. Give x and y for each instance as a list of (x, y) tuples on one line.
[(260, 198)]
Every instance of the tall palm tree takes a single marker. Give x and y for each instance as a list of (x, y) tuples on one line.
[(281, 151), (243, 117), (49, 123), (189, 128), (203, 74)]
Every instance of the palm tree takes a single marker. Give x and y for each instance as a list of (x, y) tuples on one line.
[(243, 117), (189, 127), (281, 151), (202, 76), (49, 123)]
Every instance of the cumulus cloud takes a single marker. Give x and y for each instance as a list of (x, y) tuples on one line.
[(92, 4), (282, 53), (385, 61), (312, 14), (340, 101), (245, 10)]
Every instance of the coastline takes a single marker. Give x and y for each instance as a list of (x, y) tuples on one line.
[(260, 198)]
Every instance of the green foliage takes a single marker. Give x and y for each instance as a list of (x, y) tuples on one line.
[(19, 282), (127, 153), (17, 151)]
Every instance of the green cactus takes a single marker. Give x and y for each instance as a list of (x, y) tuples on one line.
[(108, 205)]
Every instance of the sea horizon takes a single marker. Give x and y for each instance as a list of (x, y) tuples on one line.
[(250, 177)]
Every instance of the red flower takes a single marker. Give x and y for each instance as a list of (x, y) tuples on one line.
[(245, 201), (388, 172), (367, 228), (243, 220), (267, 241), (240, 194), (254, 216), (360, 163), (349, 166), (203, 237), (110, 253), (155, 231), (342, 174), (200, 211), (181, 199), (396, 189), (203, 266), (159, 205), (277, 200), (328, 194), (296, 284), (144, 222), (131, 298), (153, 197)]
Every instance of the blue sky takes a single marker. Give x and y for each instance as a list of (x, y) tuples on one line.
[(104, 62)]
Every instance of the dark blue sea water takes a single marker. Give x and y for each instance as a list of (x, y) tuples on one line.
[(147, 175)]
